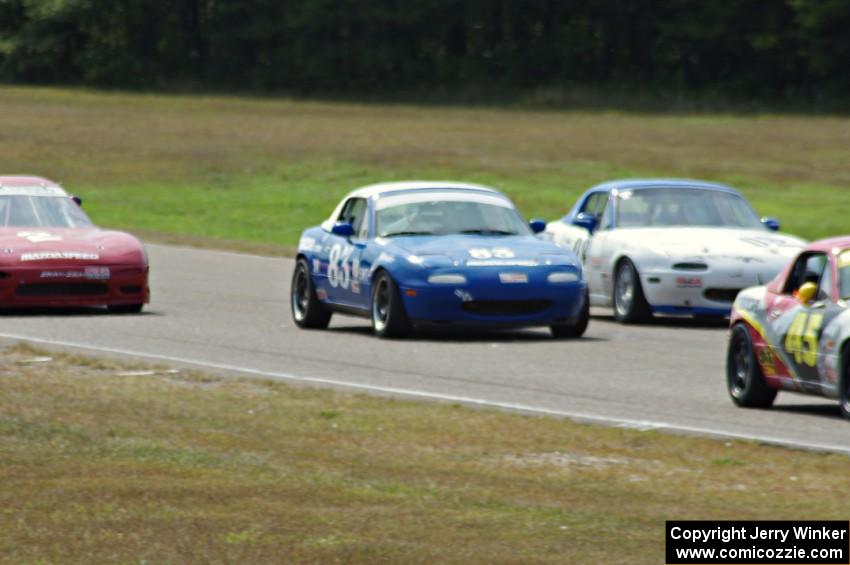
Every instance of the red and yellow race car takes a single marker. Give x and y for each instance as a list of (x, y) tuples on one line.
[(794, 333), (51, 254)]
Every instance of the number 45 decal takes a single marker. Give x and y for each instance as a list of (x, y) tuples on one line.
[(801, 341)]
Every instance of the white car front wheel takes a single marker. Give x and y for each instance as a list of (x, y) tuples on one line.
[(630, 306)]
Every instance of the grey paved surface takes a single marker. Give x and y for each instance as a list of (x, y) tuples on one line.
[(229, 309)]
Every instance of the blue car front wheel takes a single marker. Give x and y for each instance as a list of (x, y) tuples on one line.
[(577, 327), (389, 319)]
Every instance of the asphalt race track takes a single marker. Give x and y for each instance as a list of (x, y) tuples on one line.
[(230, 312)]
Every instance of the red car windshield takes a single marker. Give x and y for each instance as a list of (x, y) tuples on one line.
[(21, 211)]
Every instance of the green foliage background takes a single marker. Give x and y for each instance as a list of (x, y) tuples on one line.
[(780, 50)]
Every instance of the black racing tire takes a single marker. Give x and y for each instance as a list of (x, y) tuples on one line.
[(744, 379), (844, 382), (578, 326), (630, 306), (389, 318), (125, 308), (307, 311)]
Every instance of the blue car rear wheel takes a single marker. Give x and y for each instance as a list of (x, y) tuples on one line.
[(307, 311)]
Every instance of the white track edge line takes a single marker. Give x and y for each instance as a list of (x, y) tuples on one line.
[(577, 416)]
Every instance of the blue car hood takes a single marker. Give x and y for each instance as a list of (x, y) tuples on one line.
[(470, 247)]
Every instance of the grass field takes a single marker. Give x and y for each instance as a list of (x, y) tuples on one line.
[(260, 170), (102, 463), (99, 464)]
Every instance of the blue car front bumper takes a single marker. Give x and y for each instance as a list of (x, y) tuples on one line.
[(486, 300)]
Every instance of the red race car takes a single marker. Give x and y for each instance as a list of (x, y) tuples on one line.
[(51, 254), (794, 333)]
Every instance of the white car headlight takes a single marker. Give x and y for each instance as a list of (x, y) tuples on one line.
[(447, 279), (562, 277)]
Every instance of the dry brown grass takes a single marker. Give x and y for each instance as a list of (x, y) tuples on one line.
[(99, 466), (119, 138)]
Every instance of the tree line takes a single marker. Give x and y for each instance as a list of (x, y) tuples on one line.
[(773, 49)]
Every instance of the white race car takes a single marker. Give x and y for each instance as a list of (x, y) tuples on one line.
[(660, 246)]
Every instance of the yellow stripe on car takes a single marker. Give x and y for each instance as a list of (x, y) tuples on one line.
[(748, 317)]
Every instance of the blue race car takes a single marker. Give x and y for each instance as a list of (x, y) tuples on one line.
[(410, 254)]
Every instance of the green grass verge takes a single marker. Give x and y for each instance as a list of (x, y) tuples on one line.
[(261, 170), (100, 465)]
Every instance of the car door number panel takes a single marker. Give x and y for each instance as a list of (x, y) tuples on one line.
[(801, 341), (342, 267)]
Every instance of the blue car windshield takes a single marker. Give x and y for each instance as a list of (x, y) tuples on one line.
[(24, 211), (668, 207), (445, 217)]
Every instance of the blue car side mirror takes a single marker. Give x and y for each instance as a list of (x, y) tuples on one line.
[(537, 226), (770, 223), (77, 200), (343, 229), (586, 221)]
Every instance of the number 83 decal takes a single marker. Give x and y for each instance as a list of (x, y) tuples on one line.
[(801, 341), (342, 268)]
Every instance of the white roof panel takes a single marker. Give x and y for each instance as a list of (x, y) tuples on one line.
[(414, 197), (380, 188), (32, 190)]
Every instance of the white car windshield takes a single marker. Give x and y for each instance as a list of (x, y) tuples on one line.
[(460, 215), (24, 211), (667, 207)]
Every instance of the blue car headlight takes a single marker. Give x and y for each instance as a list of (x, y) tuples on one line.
[(562, 277), (447, 278), (429, 261)]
